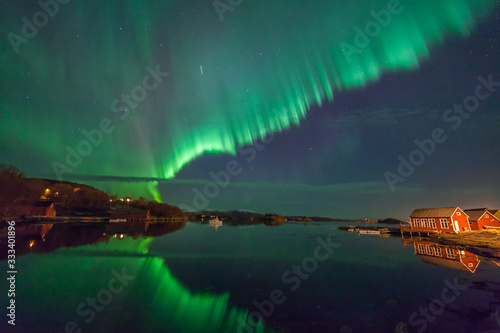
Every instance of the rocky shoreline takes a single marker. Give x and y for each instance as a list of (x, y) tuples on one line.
[(486, 242)]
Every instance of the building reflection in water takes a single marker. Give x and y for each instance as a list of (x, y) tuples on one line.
[(443, 255)]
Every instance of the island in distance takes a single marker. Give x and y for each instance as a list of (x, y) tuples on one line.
[(26, 199)]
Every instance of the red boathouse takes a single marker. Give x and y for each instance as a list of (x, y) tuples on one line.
[(482, 217), (435, 220), (41, 208)]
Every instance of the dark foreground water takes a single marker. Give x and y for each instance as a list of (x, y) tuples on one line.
[(290, 278)]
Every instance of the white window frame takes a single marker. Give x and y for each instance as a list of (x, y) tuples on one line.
[(450, 253), (424, 223), (444, 223)]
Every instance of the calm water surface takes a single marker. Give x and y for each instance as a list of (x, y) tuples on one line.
[(295, 277)]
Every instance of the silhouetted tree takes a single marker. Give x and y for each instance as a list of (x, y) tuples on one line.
[(12, 171)]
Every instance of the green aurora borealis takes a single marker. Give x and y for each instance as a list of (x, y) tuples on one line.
[(230, 82)]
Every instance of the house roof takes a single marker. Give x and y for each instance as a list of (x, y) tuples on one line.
[(434, 212), (453, 264), (475, 214)]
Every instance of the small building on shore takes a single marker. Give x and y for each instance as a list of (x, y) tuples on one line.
[(41, 208), (129, 218), (435, 220), (480, 218)]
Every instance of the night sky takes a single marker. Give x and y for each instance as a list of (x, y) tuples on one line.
[(156, 98)]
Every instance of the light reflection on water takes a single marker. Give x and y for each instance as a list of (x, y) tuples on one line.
[(193, 278)]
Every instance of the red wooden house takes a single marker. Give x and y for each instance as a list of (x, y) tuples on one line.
[(445, 256), (482, 217), (42, 208), (435, 220)]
